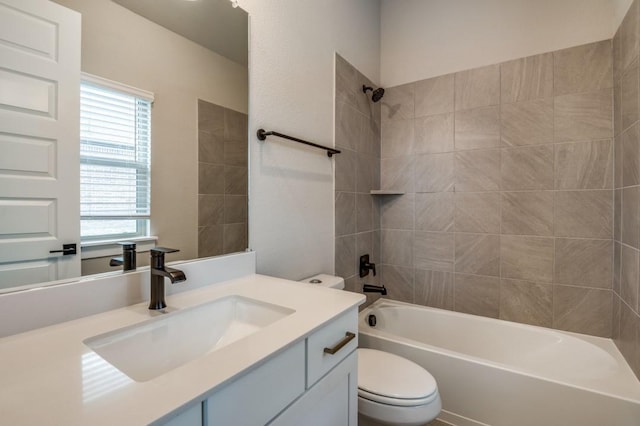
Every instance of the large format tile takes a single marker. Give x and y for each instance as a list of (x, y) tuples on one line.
[(583, 262), (210, 178), (396, 174), (583, 116), (584, 165), (527, 123), (477, 87), (617, 161), (527, 258), (527, 168), (364, 212), (349, 124), (434, 212), (527, 213), (210, 240), (434, 95), (235, 209), (617, 266), (582, 310), (630, 140), (629, 343), (210, 210), (367, 173), (434, 172), (617, 109), (234, 237), (399, 282), (477, 128), (629, 276), (235, 125), (477, 170), (629, 37), (235, 180), (587, 214), (477, 254), (527, 78), (433, 288), (397, 247), (397, 138), (583, 68), (345, 259), (629, 97), (477, 212), (631, 216), (211, 118), (526, 302), (345, 211), (345, 171), (397, 212), (477, 295), (210, 148), (433, 251), (398, 103), (434, 134)]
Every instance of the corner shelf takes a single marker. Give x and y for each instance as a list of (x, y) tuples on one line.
[(385, 192)]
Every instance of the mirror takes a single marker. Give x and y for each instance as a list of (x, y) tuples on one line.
[(199, 78)]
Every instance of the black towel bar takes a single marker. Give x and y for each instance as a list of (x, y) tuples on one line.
[(262, 135)]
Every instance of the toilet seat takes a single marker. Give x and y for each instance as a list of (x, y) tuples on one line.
[(388, 379)]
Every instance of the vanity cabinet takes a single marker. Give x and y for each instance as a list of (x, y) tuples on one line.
[(300, 385)]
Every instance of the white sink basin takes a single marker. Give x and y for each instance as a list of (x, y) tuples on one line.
[(149, 349)]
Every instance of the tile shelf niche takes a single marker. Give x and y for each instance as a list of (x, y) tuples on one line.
[(385, 192)]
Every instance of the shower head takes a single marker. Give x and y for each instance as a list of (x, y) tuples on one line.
[(377, 93)]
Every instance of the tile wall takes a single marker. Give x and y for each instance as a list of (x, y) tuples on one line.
[(357, 172), (222, 180), (508, 178), (626, 309)]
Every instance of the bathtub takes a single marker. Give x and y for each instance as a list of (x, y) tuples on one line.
[(500, 373)]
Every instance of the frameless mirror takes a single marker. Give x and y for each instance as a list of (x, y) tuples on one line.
[(192, 56)]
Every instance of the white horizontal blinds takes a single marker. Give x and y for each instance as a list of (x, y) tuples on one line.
[(115, 138)]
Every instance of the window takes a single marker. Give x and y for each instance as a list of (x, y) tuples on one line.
[(115, 138)]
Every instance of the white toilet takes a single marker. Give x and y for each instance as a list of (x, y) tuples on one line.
[(391, 390)]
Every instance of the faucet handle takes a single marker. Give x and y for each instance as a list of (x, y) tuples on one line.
[(162, 250)]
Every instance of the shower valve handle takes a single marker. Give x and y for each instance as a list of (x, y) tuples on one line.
[(366, 266)]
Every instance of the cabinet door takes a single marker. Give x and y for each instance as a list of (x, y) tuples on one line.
[(192, 416), (333, 401)]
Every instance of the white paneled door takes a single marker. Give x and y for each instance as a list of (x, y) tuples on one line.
[(39, 141)]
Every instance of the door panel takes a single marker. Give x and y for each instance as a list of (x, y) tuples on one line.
[(39, 132)]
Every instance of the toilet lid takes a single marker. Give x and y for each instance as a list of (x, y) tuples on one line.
[(390, 379)]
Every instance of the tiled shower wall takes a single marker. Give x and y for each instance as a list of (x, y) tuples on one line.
[(357, 172), (626, 310), (222, 180), (508, 178)]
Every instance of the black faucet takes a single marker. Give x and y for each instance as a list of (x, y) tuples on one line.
[(158, 274), (369, 288), (365, 266), (128, 258)]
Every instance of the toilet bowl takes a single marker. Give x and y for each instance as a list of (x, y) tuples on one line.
[(391, 389), (395, 391)]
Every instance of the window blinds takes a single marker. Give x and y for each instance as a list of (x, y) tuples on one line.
[(115, 137)]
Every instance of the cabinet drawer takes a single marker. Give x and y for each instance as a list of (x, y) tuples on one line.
[(261, 394), (330, 336)]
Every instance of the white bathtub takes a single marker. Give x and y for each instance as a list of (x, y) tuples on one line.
[(500, 373)]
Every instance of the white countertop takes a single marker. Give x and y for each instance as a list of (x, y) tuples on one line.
[(48, 376)]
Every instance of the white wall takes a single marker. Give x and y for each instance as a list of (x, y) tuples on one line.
[(291, 73), (119, 45), (427, 38)]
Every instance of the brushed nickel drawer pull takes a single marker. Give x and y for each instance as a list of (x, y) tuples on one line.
[(349, 336)]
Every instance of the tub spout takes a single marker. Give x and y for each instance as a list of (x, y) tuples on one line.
[(369, 288)]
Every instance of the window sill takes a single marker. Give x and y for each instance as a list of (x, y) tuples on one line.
[(94, 249)]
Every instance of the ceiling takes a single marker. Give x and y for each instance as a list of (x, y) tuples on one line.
[(214, 24)]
